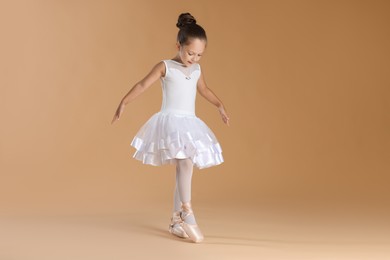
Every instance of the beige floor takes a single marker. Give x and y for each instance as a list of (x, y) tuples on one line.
[(246, 232)]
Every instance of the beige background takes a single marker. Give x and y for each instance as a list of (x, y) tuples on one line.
[(305, 83)]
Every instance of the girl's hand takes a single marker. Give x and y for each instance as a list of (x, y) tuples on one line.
[(118, 112), (224, 116)]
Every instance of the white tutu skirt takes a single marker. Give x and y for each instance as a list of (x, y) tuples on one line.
[(167, 136)]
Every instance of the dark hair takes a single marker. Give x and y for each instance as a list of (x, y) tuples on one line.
[(189, 29)]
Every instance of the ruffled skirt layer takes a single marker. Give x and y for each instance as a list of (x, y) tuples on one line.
[(169, 136)]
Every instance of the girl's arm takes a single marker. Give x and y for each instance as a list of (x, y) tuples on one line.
[(208, 94), (157, 71)]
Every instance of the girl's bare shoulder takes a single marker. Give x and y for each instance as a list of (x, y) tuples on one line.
[(161, 67), (158, 68)]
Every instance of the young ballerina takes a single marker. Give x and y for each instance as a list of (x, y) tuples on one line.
[(175, 135)]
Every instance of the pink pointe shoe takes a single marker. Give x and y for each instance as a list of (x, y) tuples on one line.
[(192, 230), (175, 227)]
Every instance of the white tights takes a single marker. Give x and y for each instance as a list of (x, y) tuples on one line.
[(184, 170)]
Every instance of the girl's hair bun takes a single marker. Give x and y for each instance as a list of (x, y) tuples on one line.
[(184, 20)]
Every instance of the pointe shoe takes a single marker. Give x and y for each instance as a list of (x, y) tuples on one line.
[(175, 227), (192, 230)]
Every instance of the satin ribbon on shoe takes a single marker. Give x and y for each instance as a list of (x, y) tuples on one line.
[(175, 227)]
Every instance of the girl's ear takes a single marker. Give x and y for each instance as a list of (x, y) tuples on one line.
[(178, 46)]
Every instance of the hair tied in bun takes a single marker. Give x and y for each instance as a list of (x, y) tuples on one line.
[(189, 29), (185, 19)]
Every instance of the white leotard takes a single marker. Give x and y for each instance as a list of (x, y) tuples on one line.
[(179, 87)]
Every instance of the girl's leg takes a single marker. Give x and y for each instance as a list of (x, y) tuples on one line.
[(184, 170), (176, 198)]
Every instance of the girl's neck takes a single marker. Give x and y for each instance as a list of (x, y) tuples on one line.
[(178, 60)]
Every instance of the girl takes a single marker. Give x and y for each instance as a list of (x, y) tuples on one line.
[(175, 135)]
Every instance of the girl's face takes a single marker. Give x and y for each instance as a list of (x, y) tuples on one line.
[(190, 54)]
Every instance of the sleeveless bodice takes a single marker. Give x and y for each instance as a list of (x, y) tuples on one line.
[(179, 87)]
